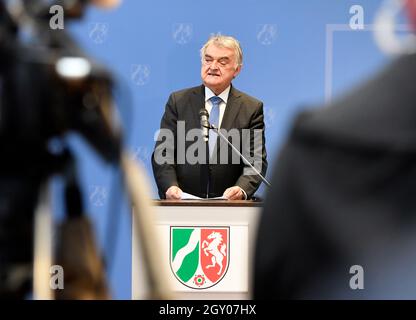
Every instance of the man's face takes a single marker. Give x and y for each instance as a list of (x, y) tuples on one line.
[(219, 67)]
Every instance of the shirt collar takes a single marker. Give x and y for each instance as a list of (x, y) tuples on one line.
[(223, 95)]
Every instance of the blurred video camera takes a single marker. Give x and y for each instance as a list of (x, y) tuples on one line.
[(48, 87)]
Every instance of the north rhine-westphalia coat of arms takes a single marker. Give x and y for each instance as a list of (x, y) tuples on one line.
[(199, 256)]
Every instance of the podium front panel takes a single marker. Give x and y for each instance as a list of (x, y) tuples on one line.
[(206, 248)]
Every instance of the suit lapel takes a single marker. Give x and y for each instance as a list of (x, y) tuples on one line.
[(197, 102), (232, 109)]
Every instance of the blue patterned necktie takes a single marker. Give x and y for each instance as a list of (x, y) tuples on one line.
[(214, 120)]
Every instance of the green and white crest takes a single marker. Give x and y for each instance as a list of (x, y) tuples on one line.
[(199, 256)]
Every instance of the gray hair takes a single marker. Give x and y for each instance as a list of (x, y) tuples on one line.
[(224, 42)]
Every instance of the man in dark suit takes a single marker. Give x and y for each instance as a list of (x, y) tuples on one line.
[(217, 170), (344, 195)]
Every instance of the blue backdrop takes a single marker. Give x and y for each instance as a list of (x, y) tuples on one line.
[(153, 49)]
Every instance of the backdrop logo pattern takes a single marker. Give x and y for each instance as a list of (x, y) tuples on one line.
[(199, 255), (269, 116), (98, 195), (266, 34), (98, 32), (140, 74), (182, 32), (141, 153)]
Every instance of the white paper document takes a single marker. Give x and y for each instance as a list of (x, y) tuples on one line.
[(188, 196)]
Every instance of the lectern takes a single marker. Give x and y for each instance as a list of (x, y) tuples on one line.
[(206, 248)]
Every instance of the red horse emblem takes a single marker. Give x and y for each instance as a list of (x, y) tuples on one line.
[(214, 252)]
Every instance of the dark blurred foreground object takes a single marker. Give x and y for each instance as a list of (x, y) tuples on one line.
[(344, 194), (77, 253), (48, 87)]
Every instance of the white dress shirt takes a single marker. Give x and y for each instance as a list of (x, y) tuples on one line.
[(208, 104)]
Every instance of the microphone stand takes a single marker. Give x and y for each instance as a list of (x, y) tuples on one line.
[(212, 127)]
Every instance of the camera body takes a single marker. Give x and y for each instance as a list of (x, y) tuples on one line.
[(40, 99), (48, 87)]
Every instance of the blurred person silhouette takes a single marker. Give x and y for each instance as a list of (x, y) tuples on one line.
[(26, 125), (340, 220)]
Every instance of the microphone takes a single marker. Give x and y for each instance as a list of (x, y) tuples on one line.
[(203, 114), (224, 138), (205, 126)]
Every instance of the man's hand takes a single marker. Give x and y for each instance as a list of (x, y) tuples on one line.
[(173, 193), (234, 193)]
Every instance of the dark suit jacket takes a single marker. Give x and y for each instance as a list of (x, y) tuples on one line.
[(344, 191), (241, 112)]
